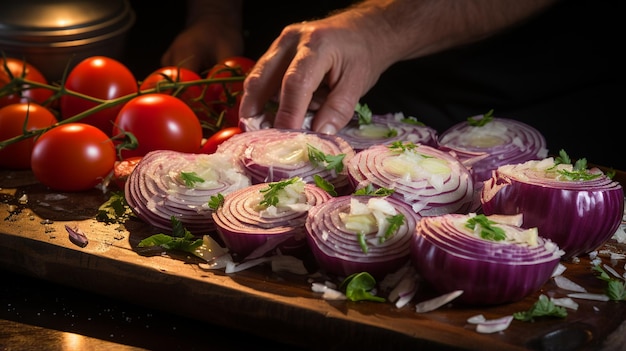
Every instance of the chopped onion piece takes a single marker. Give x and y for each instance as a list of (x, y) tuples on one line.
[(435, 303), (494, 325), (567, 284), (328, 293), (234, 267), (566, 302), (560, 268), (589, 296)]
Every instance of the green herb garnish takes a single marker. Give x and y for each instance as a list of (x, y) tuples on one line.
[(579, 170), (216, 201), (330, 162), (324, 185), (190, 178), (542, 308), (487, 230), (270, 194), (395, 222), (181, 239), (370, 190), (364, 114), (615, 289), (412, 120), (360, 237), (358, 287), (479, 122), (402, 146), (115, 209)]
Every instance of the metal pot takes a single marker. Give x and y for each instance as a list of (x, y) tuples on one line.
[(54, 35)]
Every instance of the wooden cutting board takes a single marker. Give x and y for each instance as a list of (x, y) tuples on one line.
[(281, 306)]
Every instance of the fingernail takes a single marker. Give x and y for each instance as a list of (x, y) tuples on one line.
[(328, 129)]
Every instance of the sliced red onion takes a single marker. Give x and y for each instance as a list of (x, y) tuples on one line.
[(248, 232), (385, 129), (451, 256), (271, 155), (155, 190), (337, 249), (503, 141), (433, 182), (578, 215)]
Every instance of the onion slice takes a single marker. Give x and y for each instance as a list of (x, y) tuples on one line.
[(433, 182), (578, 215), (271, 155), (337, 249), (249, 233), (503, 141), (385, 129), (452, 256), (156, 189)]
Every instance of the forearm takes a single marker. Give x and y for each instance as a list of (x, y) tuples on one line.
[(413, 28)]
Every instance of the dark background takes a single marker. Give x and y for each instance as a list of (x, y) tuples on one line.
[(562, 72)]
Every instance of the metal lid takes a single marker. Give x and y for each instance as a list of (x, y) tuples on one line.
[(63, 22)]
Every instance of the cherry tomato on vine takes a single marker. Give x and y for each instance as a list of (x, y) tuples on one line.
[(14, 119), (226, 96), (73, 157), (159, 122), (171, 74), (99, 77), (20, 68), (211, 144)]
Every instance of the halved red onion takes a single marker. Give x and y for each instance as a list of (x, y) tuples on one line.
[(385, 129), (155, 190), (250, 233), (578, 215), (271, 155), (431, 181), (337, 249), (452, 257), (503, 141)]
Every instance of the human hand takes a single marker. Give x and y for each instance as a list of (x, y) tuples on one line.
[(200, 46), (324, 66)]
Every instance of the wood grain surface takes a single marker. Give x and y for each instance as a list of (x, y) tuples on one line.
[(280, 306)]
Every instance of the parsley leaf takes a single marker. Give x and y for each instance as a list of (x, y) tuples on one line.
[(370, 190), (542, 308), (270, 196), (363, 113), (216, 201), (181, 239), (579, 170), (330, 162), (190, 178), (401, 147), (479, 122), (358, 287), (395, 222), (615, 289), (114, 210), (324, 185), (487, 230)]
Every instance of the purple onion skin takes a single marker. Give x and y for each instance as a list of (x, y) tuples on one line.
[(483, 282), (578, 220)]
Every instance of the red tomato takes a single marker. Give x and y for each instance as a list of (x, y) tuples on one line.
[(123, 169), (19, 68), (211, 144), (99, 77), (73, 157), (225, 96), (12, 118), (171, 74), (159, 122)]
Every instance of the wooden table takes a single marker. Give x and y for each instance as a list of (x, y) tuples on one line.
[(278, 306)]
